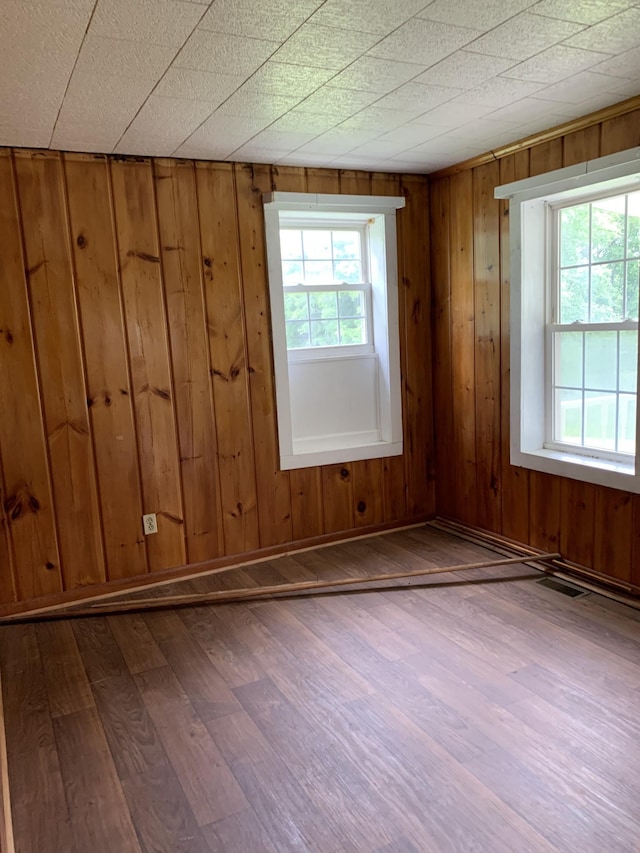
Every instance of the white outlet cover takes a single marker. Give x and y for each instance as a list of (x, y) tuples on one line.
[(150, 523)]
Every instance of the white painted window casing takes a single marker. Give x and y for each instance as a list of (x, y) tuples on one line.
[(533, 255), (338, 403)]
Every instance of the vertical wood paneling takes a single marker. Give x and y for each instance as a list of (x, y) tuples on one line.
[(486, 256), (612, 546), (463, 348), (228, 356), (442, 355), (183, 284), (515, 481), (307, 517), (146, 324), (590, 525), (273, 486), (413, 223), (28, 501), (107, 376), (64, 397)]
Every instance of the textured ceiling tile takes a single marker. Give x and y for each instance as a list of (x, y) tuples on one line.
[(423, 41), (528, 109), (266, 19), (257, 105), (555, 64), (377, 118), (163, 124), (277, 78), (454, 114), (625, 65), (369, 74), (381, 147), (341, 103), (224, 54), (101, 100), (121, 58), (251, 153), (324, 47), (579, 87), (465, 69), (25, 137), (524, 36), (478, 15), (614, 35), (581, 11), (329, 145), (499, 92), (418, 97), (304, 159), (282, 140), (299, 120), (165, 22), (222, 133), (371, 16), (198, 85)]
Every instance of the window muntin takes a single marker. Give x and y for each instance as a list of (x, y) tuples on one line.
[(592, 338), (327, 294)]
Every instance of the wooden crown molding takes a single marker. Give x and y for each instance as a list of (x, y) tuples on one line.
[(556, 132)]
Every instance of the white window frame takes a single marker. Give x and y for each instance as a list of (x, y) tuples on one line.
[(532, 242), (304, 223), (377, 214)]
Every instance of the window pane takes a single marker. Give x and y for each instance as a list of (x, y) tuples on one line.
[(322, 306), (324, 333), (568, 359), (296, 306), (317, 244), (607, 289), (290, 244), (627, 423), (349, 271), (346, 244), (633, 225), (574, 295), (297, 335), (292, 272), (607, 229), (351, 303), (569, 416), (601, 360), (318, 272), (574, 239), (628, 361), (633, 276), (600, 420), (352, 332)]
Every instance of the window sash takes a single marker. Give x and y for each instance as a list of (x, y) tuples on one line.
[(329, 225)]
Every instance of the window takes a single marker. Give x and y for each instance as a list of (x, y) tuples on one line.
[(334, 315), (575, 240), (327, 301)]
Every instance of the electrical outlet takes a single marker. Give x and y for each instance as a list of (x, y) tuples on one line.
[(150, 523)]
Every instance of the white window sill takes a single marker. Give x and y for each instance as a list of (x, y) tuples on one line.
[(333, 451), (588, 469)]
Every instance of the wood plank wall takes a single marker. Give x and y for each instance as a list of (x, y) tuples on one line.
[(596, 527), (136, 372)]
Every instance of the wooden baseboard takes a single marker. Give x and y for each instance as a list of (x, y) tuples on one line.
[(98, 592), (623, 590), (7, 844)]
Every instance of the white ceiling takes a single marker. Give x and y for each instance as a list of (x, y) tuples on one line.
[(394, 85)]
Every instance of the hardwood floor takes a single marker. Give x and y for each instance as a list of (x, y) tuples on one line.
[(494, 716)]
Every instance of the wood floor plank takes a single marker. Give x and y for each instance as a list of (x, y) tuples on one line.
[(138, 648), (161, 813), (238, 834), (207, 782), (100, 652), (68, 688), (100, 819), (132, 737)]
